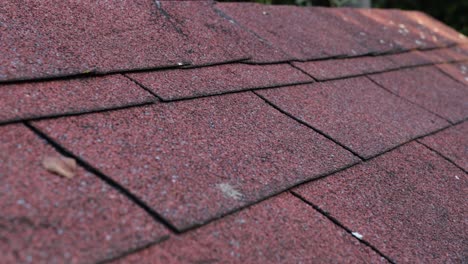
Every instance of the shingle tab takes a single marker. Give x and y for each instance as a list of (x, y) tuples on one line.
[(294, 30), (409, 59), (339, 68), (49, 219), (51, 98), (365, 29), (458, 71), (218, 36), (279, 230), (196, 160), (408, 203), (429, 88), (384, 31), (186, 83), (355, 112), (453, 54), (60, 38), (452, 143)]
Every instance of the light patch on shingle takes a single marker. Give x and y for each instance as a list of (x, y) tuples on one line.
[(229, 191)]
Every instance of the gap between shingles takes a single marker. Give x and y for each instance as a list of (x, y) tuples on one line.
[(308, 181), (449, 75), (408, 101), (209, 95), (342, 226), (137, 83), (172, 228), (133, 251), (304, 72), (97, 73), (441, 155), (75, 113), (108, 180), (371, 54), (308, 125)]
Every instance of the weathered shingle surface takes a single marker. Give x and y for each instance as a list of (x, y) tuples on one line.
[(232, 133)]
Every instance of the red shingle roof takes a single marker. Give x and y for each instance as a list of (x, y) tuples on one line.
[(226, 132)]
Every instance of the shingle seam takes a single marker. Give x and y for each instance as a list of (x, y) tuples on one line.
[(301, 70), (108, 180), (75, 113), (449, 75), (133, 251), (376, 155), (408, 101), (243, 90), (171, 20), (139, 249), (397, 52), (390, 69), (247, 89), (158, 99), (88, 167), (97, 72), (416, 138), (441, 155), (308, 125), (93, 73), (257, 201), (242, 27), (143, 87), (342, 226)]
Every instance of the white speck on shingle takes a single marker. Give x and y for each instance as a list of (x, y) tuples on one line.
[(456, 177), (180, 63), (229, 191), (357, 235)]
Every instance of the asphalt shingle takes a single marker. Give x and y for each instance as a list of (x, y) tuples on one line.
[(59, 38), (196, 160), (192, 115), (458, 71), (356, 112), (407, 203), (279, 230), (48, 219), (61, 97), (339, 68), (429, 88), (186, 83), (294, 30), (452, 143)]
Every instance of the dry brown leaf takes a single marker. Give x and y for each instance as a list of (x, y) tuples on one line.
[(62, 166)]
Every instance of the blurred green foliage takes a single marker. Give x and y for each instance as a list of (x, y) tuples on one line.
[(452, 12)]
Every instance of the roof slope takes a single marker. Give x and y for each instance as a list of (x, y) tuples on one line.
[(226, 132)]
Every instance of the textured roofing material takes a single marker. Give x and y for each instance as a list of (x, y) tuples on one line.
[(48, 219), (226, 132), (52, 98), (357, 113), (190, 144), (408, 203), (188, 83), (429, 88)]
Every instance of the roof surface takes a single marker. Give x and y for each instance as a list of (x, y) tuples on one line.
[(226, 133)]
